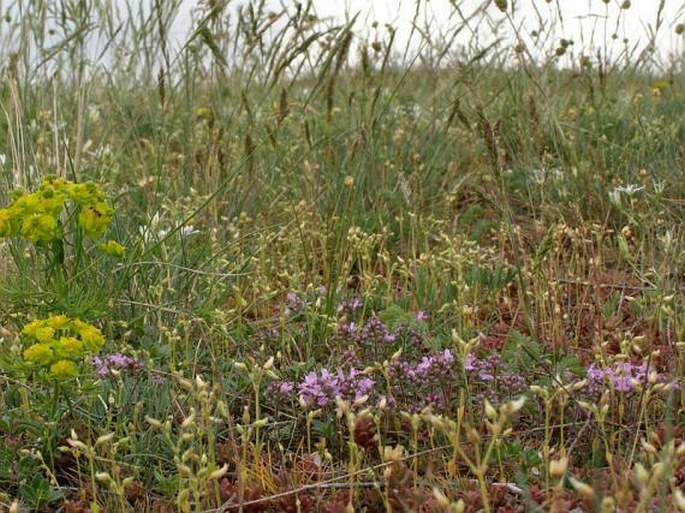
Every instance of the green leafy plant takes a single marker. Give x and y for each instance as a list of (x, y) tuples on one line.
[(55, 230)]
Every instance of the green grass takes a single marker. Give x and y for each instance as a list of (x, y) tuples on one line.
[(450, 231)]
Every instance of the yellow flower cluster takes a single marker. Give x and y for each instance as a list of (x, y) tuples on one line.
[(35, 216), (113, 249), (59, 343)]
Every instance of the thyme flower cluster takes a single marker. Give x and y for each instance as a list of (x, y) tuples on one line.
[(372, 332), (496, 382), (624, 377), (418, 384), (322, 388), (59, 344), (111, 365)]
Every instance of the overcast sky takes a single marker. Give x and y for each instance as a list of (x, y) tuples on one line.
[(583, 20)]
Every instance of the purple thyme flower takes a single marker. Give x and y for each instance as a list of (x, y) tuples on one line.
[(321, 389), (429, 379), (484, 370), (434, 400), (434, 367), (491, 372), (623, 377), (470, 362), (115, 362), (373, 332), (363, 387), (400, 370), (349, 329), (594, 373), (293, 303), (283, 388), (350, 356), (351, 306)]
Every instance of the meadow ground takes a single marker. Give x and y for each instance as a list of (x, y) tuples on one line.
[(313, 272)]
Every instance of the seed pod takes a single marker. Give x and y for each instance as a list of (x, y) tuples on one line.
[(557, 468)]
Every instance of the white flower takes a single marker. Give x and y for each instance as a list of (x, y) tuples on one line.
[(185, 231), (629, 189), (188, 230), (542, 175)]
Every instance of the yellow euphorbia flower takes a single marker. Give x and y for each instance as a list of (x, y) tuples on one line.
[(84, 193), (113, 248), (40, 354), (7, 226), (69, 347), (44, 333), (92, 339), (31, 328), (63, 369), (59, 322), (62, 344), (40, 228), (94, 219)]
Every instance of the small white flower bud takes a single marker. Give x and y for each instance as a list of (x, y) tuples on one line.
[(490, 411), (104, 439), (103, 477), (219, 473), (584, 489), (641, 474), (557, 468)]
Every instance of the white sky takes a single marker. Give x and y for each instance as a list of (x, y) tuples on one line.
[(583, 20), (590, 24)]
